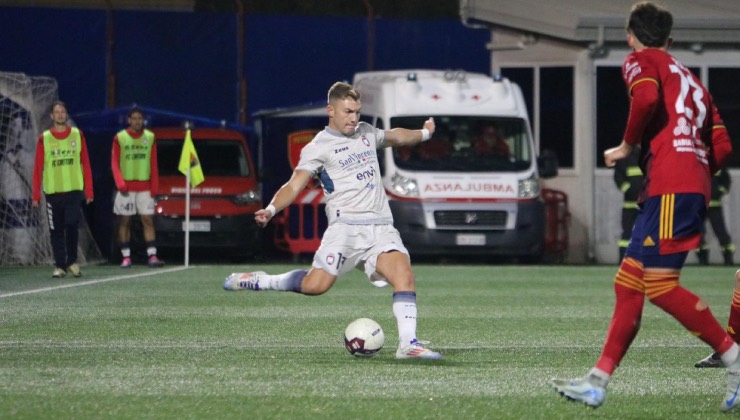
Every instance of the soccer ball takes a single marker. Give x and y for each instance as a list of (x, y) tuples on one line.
[(364, 337)]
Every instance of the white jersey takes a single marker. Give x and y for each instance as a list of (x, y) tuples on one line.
[(350, 175)]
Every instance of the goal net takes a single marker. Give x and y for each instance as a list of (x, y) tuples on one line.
[(25, 104)]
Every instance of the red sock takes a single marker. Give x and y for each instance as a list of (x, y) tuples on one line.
[(681, 304), (733, 325), (625, 324)]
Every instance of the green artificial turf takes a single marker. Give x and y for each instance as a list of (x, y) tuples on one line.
[(174, 344)]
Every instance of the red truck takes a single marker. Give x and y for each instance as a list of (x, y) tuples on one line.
[(222, 207)]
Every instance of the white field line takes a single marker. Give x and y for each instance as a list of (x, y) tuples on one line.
[(91, 282)]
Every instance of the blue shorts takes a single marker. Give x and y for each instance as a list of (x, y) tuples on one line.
[(666, 229)]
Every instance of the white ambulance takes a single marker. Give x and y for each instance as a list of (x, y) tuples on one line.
[(474, 187)]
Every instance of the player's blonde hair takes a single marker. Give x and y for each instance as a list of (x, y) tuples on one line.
[(342, 90)]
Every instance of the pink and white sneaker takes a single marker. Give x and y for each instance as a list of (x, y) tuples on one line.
[(244, 281), (416, 350), (155, 262), (126, 263)]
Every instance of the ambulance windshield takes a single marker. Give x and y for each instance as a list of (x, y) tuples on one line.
[(467, 144)]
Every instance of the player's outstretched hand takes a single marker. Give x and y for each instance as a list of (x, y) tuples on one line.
[(429, 125), (262, 217), (611, 156)]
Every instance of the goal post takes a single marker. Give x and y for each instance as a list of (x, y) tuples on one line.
[(25, 104)]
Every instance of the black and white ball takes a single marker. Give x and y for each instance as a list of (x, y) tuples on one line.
[(364, 337)]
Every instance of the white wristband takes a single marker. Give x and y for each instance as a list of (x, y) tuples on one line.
[(271, 209), (425, 134)]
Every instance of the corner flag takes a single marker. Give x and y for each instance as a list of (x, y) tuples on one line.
[(189, 159)]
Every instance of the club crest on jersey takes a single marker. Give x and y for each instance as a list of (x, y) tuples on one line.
[(330, 259), (366, 141)]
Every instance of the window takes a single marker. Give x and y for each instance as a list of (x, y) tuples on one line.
[(524, 77), (612, 108), (217, 157), (556, 113), (467, 144), (724, 85), (555, 128)]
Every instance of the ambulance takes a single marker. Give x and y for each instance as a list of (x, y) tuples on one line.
[(474, 188)]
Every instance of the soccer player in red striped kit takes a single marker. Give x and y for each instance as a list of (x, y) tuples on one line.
[(683, 141)]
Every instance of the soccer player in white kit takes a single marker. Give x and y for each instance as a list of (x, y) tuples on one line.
[(360, 233)]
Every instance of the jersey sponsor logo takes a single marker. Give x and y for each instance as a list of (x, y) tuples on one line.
[(648, 242), (631, 70), (62, 162), (136, 156), (343, 149), (62, 152), (135, 147), (356, 158), (365, 175)]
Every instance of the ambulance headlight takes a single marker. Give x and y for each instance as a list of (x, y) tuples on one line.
[(529, 188), (404, 186)]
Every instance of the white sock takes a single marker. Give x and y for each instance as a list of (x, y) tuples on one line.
[(287, 282), (404, 308), (126, 252), (730, 356), (152, 250), (602, 376)]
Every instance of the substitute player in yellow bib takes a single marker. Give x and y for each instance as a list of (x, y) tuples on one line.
[(134, 166), (62, 166)]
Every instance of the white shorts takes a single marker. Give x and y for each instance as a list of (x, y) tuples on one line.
[(345, 247), (135, 202)]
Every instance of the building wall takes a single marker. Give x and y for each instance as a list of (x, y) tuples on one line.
[(508, 50)]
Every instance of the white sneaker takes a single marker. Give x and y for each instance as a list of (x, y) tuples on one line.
[(244, 281), (75, 270), (733, 387), (416, 350), (58, 273), (588, 390)]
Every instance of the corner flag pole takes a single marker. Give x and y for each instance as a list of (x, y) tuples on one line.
[(187, 218)]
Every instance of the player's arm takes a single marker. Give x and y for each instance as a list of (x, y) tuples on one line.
[(86, 170), (284, 196), (154, 170), (115, 159), (405, 137), (645, 97)]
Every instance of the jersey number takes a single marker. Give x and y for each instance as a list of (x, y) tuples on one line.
[(340, 260), (689, 100)]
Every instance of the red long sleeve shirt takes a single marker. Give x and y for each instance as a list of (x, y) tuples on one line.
[(673, 117)]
